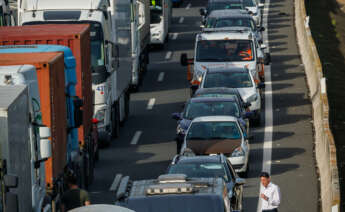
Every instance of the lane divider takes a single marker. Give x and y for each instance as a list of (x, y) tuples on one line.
[(151, 104), (168, 55), (161, 77), (136, 137), (181, 20), (188, 6)]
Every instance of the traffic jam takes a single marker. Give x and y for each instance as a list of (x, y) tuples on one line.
[(68, 71)]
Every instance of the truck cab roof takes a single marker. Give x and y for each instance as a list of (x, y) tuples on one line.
[(176, 192)]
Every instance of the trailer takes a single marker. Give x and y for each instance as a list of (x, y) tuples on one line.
[(161, 17), (22, 135)]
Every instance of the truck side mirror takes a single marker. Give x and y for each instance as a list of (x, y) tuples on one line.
[(184, 59), (11, 202), (78, 112), (11, 181), (267, 59)]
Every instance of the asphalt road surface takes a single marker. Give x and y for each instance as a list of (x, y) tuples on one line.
[(283, 144)]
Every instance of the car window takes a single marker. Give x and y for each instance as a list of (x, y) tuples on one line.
[(228, 79), (197, 170)]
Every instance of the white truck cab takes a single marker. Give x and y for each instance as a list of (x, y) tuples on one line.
[(38, 143), (225, 48), (110, 80), (6, 18), (161, 14)]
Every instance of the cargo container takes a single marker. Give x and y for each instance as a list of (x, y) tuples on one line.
[(77, 38), (51, 81), (23, 134)]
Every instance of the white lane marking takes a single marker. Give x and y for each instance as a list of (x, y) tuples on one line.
[(168, 55), (116, 182), (181, 20), (174, 36), (188, 6), (161, 77), (136, 137), (267, 147), (151, 104)]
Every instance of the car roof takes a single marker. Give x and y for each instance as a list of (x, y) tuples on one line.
[(199, 159), (215, 118), (229, 14), (221, 90), (213, 99), (214, 1), (226, 33), (228, 69)]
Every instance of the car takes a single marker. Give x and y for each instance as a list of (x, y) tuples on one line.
[(238, 20), (222, 92), (241, 79), (175, 192), (254, 9), (221, 5), (210, 166), (209, 106), (219, 134)]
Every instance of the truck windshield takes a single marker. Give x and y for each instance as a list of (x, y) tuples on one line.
[(97, 45), (228, 79), (224, 51), (213, 130), (231, 22), (216, 108), (156, 15)]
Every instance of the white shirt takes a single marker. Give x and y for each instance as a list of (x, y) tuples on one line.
[(272, 191)]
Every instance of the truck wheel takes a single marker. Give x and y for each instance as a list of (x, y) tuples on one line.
[(115, 120)]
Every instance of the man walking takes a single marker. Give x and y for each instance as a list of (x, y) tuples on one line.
[(74, 197), (269, 194)]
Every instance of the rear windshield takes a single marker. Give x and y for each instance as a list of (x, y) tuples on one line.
[(213, 130), (198, 109), (228, 79), (231, 22)]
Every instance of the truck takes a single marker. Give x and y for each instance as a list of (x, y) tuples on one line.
[(22, 178), (131, 23), (161, 17), (73, 40), (110, 79), (51, 82), (6, 17), (81, 161)]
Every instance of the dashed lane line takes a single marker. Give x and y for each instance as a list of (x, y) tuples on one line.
[(136, 137), (161, 77), (151, 103), (181, 20), (188, 6), (168, 55)]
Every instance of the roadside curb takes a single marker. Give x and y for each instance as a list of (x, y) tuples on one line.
[(325, 150)]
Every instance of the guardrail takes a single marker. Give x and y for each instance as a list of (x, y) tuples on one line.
[(325, 149)]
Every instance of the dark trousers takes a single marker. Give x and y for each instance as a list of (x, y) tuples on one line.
[(273, 210)]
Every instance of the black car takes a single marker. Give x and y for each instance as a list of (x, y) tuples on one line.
[(209, 106), (211, 166)]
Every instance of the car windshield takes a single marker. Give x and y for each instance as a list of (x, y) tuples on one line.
[(156, 15), (231, 22), (218, 108), (249, 3), (224, 50), (225, 6), (213, 130), (200, 170), (228, 79)]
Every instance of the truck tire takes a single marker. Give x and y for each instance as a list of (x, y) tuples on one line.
[(115, 120)]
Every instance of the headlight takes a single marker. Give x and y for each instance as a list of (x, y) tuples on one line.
[(100, 115), (252, 98), (238, 152)]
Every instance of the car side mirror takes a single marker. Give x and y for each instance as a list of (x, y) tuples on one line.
[(176, 116), (202, 11), (184, 59), (262, 29), (202, 26), (193, 88), (240, 181), (247, 105), (267, 59)]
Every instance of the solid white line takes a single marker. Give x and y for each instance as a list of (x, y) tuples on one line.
[(136, 137), (161, 77), (168, 55), (268, 136), (174, 36), (181, 20), (151, 103), (188, 6)]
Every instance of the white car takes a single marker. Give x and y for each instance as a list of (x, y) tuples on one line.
[(254, 8), (219, 134), (240, 78)]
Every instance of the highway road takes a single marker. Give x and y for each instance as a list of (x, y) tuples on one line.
[(283, 144)]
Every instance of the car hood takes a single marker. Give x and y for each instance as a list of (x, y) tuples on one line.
[(246, 92), (214, 146)]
